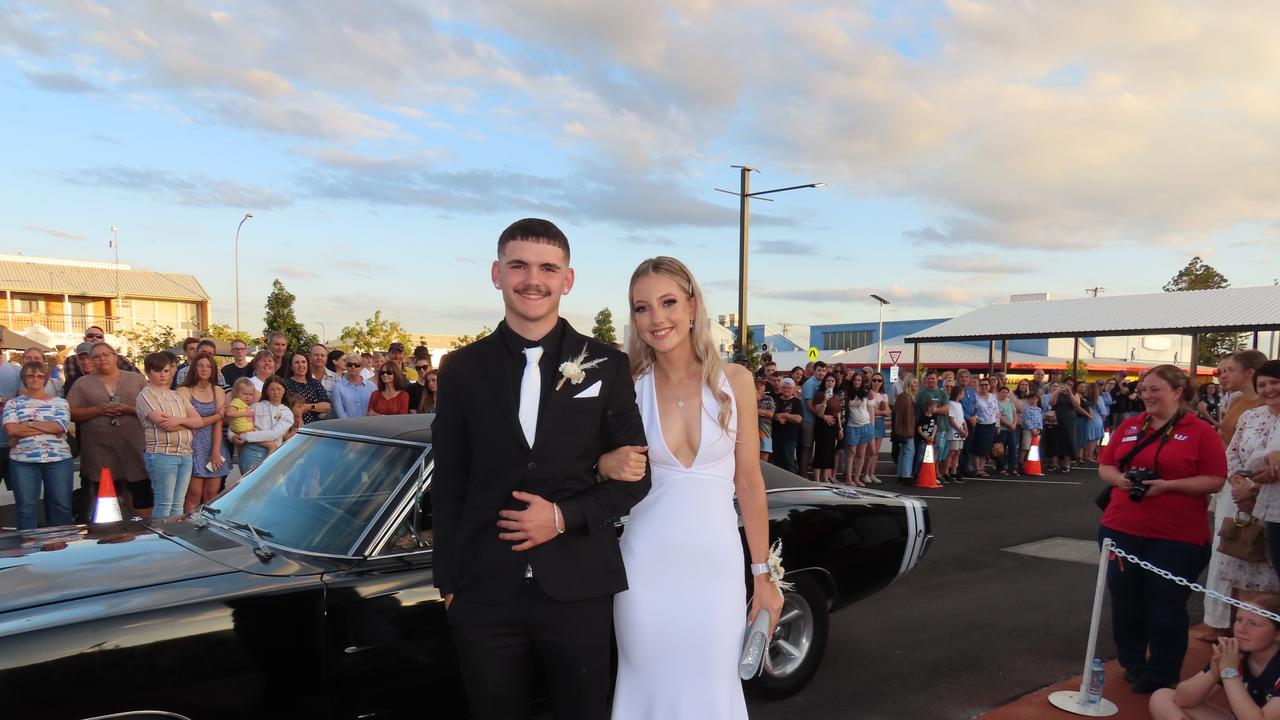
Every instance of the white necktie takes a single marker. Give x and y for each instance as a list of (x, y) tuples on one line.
[(530, 393)]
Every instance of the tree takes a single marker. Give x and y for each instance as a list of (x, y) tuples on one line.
[(146, 340), (376, 334), (280, 318), (752, 351), (1078, 370), (1199, 275), (224, 333), (465, 340), (603, 330)]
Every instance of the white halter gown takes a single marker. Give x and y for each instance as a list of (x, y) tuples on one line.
[(681, 623)]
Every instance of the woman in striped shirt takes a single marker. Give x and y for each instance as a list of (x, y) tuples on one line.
[(167, 421)]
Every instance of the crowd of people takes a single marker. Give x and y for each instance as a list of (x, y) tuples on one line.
[(170, 432)]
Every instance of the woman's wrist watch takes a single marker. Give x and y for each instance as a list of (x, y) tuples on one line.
[(1229, 673)]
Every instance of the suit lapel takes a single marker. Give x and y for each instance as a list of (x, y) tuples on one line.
[(557, 401), (496, 369)]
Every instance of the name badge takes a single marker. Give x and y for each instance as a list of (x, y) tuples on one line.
[(1131, 438)]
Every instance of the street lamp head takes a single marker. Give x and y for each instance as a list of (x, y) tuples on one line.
[(879, 299), (113, 228), (820, 185), (248, 215)]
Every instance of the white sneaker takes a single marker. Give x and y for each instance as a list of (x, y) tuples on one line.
[(871, 480)]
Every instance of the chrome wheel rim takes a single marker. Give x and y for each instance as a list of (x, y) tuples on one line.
[(792, 639)]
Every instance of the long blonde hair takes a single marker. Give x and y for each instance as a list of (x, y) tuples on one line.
[(704, 349)]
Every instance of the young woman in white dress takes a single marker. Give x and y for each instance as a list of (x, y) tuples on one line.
[(680, 625)]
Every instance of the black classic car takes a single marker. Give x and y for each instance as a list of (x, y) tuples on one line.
[(305, 591)]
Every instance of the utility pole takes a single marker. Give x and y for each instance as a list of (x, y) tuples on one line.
[(1095, 290), (115, 243)]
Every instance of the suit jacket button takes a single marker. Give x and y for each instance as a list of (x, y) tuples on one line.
[(533, 466)]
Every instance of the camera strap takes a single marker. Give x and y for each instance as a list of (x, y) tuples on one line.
[(1163, 435)]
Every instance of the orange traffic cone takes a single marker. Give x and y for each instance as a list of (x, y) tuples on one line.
[(928, 473), (108, 509), (1032, 465)]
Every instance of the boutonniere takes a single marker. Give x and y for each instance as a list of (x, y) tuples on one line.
[(575, 370)]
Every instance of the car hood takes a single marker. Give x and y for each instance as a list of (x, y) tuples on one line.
[(50, 565)]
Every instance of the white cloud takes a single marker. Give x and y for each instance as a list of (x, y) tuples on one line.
[(54, 232)]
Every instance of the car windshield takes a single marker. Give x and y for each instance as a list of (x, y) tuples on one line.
[(317, 493)]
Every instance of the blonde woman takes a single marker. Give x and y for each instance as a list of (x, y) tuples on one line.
[(677, 658)]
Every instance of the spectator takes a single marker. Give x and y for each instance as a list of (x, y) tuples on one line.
[(983, 435), (1257, 429), (425, 400), (1209, 403), (930, 391), (797, 377), (82, 365), (926, 427), (1247, 667), (1184, 461), (1061, 436), (167, 421), (40, 458), (103, 407), (390, 398), (827, 429), (10, 386), (858, 430), (264, 366), (278, 346), (369, 367), (959, 432), (208, 464), (421, 355), (807, 393), (764, 412), (969, 402), (313, 401), (271, 420), (395, 354), (788, 416), (53, 386), (190, 347), (1089, 423), (1032, 424), (880, 418), (337, 364), (352, 393), (904, 430), (239, 367), (1037, 382), (1009, 431)]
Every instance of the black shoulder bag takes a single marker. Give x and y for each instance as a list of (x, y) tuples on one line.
[(1104, 498)]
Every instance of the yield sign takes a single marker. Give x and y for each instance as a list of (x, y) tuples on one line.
[(894, 355)]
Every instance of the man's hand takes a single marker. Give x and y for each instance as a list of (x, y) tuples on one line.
[(448, 600), (530, 527)]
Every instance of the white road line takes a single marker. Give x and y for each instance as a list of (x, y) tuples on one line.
[(933, 497), (970, 478)]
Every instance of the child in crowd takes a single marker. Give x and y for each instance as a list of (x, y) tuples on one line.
[(238, 414), (1244, 668), (959, 430), (1032, 423), (765, 407), (294, 402), (927, 426)]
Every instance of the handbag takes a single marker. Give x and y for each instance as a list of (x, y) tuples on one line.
[(1245, 541), (997, 449), (754, 645)]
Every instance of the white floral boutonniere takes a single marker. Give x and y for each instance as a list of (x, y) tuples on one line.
[(575, 370)]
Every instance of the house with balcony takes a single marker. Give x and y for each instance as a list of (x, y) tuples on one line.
[(53, 301)]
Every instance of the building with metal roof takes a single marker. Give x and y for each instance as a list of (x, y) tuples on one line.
[(1192, 313), (53, 301)]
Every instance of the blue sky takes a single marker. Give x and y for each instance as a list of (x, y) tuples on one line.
[(972, 149)]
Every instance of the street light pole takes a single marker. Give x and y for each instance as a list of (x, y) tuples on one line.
[(744, 230), (880, 331), (323, 332), (246, 217), (115, 243)]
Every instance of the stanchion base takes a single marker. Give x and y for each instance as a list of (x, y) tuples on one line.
[(1069, 700)]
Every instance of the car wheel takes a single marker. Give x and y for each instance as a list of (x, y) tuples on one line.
[(798, 644)]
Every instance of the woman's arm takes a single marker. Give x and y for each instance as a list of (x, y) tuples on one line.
[(373, 398), (1196, 689), (276, 427), (749, 484)]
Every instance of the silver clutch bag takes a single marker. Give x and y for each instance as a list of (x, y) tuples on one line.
[(754, 646)]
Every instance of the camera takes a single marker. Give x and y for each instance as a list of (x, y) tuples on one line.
[(1138, 476)]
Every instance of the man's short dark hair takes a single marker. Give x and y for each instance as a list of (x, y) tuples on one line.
[(931, 371), (819, 364), (190, 341), (534, 230), (421, 352), (207, 343)]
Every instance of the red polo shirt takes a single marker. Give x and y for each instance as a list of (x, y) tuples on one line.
[(1193, 449)]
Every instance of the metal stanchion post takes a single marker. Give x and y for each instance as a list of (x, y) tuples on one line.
[(1077, 701)]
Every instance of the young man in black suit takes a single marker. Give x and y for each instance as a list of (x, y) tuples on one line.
[(526, 556)]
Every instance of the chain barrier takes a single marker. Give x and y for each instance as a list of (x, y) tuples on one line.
[(1197, 587)]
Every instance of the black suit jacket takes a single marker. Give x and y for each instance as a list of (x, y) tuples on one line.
[(481, 456)]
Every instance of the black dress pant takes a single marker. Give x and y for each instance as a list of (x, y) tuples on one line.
[(502, 646)]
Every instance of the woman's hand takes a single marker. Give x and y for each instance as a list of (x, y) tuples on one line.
[(1156, 487), (626, 463), (766, 596), (829, 420), (1215, 662), (216, 461), (1228, 653)]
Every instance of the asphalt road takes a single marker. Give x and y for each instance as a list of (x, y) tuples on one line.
[(973, 626)]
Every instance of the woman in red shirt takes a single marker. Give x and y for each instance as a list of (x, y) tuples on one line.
[(1184, 462), (390, 398)]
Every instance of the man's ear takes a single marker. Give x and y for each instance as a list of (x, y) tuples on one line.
[(568, 281), (495, 276)]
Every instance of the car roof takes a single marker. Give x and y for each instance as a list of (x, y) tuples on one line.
[(413, 428)]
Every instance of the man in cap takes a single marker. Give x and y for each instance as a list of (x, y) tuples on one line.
[(787, 419), (395, 353)]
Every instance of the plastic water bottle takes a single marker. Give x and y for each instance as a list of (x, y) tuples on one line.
[(1097, 675)]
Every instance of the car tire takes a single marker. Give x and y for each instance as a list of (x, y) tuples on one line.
[(798, 644)]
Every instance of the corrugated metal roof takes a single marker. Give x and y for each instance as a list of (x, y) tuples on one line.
[(958, 354), (1184, 313), (35, 277)]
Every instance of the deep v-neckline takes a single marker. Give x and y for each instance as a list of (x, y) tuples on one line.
[(657, 409)]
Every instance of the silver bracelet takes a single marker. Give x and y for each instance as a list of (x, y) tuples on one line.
[(760, 568)]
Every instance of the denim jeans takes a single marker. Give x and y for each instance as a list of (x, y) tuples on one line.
[(251, 455), (170, 475), (784, 454), (27, 478), (1149, 613), (906, 457), (1010, 439)]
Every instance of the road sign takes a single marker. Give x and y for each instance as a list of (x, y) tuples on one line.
[(893, 357), (813, 354), (893, 374)]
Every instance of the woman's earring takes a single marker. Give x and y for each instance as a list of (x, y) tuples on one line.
[(690, 324)]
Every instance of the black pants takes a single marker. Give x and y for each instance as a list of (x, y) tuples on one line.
[(1149, 613), (501, 647)]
